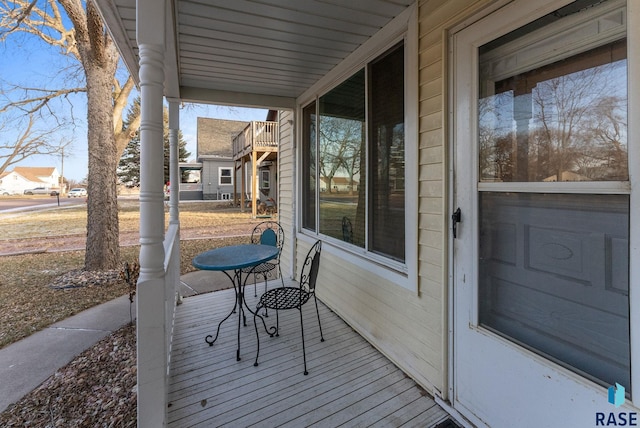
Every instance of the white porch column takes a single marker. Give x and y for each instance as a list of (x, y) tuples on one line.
[(173, 295), (152, 325), (174, 158)]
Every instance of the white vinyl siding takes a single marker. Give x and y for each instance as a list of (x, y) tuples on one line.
[(286, 189), (405, 323), (435, 18), (406, 328)]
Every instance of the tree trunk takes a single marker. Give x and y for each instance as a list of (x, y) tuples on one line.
[(89, 43), (99, 59), (102, 248)]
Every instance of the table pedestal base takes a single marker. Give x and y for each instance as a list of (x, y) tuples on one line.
[(239, 306)]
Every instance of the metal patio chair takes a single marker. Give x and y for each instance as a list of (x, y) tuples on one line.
[(266, 233), (293, 296)]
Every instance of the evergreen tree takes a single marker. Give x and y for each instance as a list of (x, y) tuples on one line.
[(129, 166)]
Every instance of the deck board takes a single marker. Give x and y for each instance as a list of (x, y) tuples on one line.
[(349, 383)]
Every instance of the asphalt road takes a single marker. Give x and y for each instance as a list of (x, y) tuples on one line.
[(20, 203)]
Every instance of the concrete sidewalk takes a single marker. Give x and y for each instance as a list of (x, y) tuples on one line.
[(24, 365)]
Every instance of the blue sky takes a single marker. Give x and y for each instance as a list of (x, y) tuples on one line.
[(27, 61), (75, 162)]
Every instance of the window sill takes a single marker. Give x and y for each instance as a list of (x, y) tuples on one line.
[(387, 269)]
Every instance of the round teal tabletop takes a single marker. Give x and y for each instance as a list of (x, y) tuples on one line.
[(235, 257)]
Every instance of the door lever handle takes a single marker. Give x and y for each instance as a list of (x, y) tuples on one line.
[(456, 218)]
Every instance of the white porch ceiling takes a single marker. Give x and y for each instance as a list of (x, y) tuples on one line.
[(252, 52)]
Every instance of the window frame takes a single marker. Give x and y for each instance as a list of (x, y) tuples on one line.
[(403, 28), (262, 179), (220, 176)]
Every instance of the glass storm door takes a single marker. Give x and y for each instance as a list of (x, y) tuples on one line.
[(541, 257)]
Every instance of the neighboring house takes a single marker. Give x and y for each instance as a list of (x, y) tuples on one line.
[(255, 155), (510, 299), (225, 147), (567, 176), (215, 154), (14, 183), (338, 184), (22, 178)]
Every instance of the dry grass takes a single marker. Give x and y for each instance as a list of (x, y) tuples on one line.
[(28, 303), (73, 221)]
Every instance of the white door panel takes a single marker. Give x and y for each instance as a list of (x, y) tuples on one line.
[(541, 260)]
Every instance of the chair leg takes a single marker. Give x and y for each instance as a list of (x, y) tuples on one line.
[(255, 280), (304, 352), (280, 273), (255, 324), (266, 311), (318, 314)]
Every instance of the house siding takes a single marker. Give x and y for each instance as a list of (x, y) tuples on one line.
[(412, 330), (15, 183), (408, 327), (27, 177), (436, 17), (211, 187), (286, 189), (405, 327)]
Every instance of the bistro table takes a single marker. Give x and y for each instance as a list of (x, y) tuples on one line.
[(234, 259)]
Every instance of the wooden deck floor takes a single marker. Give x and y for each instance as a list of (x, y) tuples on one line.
[(349, 383)]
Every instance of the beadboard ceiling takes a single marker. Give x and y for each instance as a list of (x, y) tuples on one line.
[(252, 52)]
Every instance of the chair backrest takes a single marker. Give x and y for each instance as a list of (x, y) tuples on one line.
[(269, 237), (268, 233), (309, 272)]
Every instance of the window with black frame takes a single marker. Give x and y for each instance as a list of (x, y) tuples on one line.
[(353, 159)]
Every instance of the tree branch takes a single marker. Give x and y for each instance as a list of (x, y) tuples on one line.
[(120, 100), (33, 104), (29, 143), (23, 15), (28, 18)]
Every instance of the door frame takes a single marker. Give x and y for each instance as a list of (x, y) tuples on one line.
[(522, 9)]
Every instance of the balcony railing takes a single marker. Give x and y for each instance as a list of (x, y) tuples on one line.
[(258, 135)]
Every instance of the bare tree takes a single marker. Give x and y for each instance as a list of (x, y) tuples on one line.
[(337, 135), (351, 161), (87, 41), (30, 141), (578, 120), (572, 128), (608, 128), (496, 140)]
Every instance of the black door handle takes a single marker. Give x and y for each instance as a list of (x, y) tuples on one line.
[(456, 217)]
